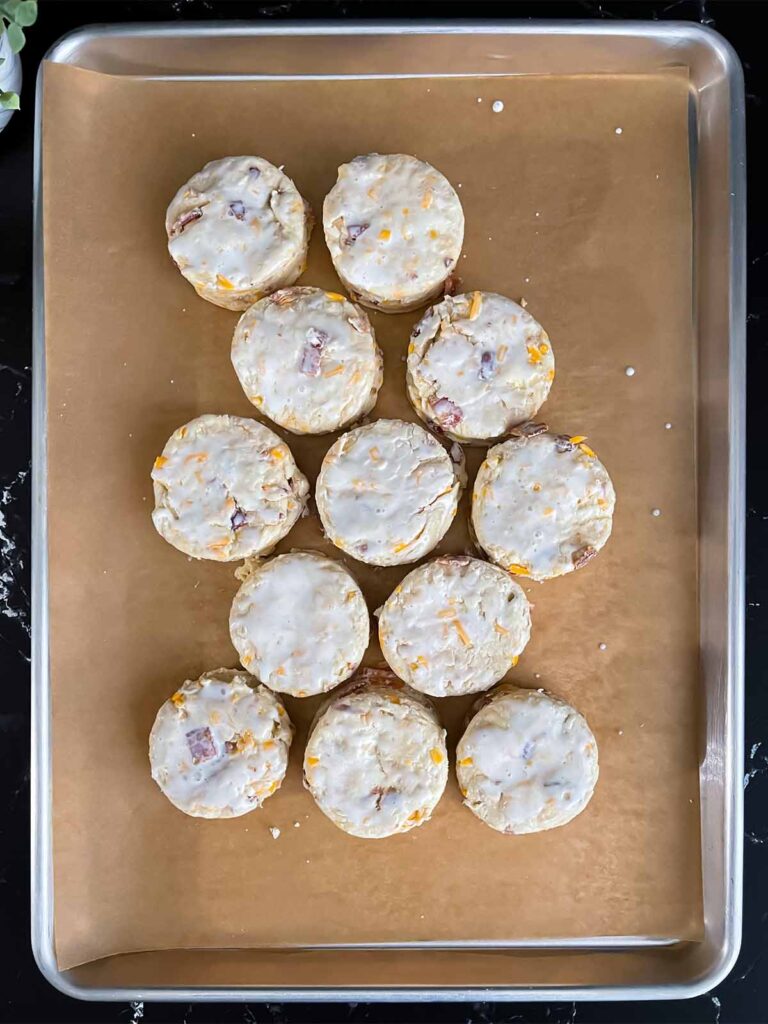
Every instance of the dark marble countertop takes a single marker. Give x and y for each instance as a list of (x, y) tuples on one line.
[(24, 995)]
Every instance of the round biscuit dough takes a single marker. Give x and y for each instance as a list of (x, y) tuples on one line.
[(300, 623), (226, 488), (308, 359), (526, 762), (387, 492), (394, 227), (454, 625), (237, 230), (376, 762), (478, 365), (219, 746), (542, 504)]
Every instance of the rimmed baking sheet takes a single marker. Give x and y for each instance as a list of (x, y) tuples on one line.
[(577, 197)]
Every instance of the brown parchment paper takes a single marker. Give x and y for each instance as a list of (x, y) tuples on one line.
[(593, 228)]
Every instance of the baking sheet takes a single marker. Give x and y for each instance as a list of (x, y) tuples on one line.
[(132, 353)]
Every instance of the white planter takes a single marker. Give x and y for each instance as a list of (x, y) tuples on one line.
[(10, 76)]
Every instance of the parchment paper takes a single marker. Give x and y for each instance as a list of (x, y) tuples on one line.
[(593, 228)]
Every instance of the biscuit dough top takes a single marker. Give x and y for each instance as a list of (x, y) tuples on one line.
[(454, 625), (527, 761), (394, 226), (387, 492), (219, 747), (478, 364), (236, 225), (308, 359), (376, 760), (543, 504), (226, 488), (300, 623)]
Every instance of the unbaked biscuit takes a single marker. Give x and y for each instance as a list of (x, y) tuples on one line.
[(308, 359), (542, 504), (226, 488), (526, 762), (387, 492), (394, 227), (454, 625), (478, 365), (376, 761), (219, 746), (300, 623), (237, 230)]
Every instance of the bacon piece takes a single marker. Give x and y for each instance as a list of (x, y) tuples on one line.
[(354, 231), (185, 219), (312, 352), (201, 745), (238, 518), (451, 285), (447, 412), (582, 556), (530, 429), (487, 366)]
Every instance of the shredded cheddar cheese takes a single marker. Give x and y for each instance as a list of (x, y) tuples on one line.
[(463, 635)]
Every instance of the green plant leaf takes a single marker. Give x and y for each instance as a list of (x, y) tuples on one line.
[(26, 13), (15, 37), (9, 101), (9, 7)]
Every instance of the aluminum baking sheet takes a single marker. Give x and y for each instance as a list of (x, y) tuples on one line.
[(613, 965)]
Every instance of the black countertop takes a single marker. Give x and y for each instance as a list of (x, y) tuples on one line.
[(24, 995)]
